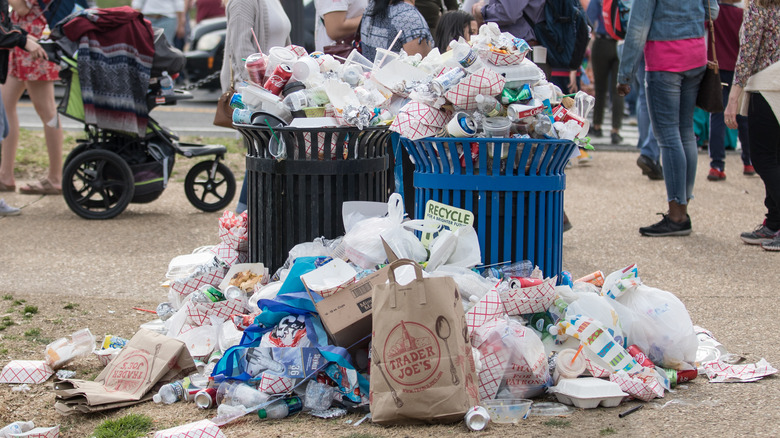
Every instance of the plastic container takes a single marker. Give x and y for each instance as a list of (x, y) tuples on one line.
[(517, 75), (255, 67), (236, 393), (565, 369), (496, 127), (166, 84), (63, 350), (465, 56), (588, 392), (507, 411)]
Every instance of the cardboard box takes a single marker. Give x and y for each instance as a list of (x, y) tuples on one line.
[(346, 314)]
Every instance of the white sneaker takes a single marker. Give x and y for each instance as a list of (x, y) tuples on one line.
[(7, 210)]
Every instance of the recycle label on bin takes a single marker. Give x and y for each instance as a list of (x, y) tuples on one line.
[(452, 218)]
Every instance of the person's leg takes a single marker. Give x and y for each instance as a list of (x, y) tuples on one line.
[(663, 102), (743, 133), (617, 99), (647, 144), (765, 152), (717, 143), (600, 62), (12, 92), (688, 91), (42, 97)]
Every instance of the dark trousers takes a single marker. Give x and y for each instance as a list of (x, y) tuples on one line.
[(605, 62), (717, 143), (765, 153)]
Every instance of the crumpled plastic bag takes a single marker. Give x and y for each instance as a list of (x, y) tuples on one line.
[(512, 357), (659, 322), (363, 243)]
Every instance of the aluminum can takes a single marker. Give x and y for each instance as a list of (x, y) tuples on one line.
[(639, 356), (206, 398), (278, 79), (477, 418)]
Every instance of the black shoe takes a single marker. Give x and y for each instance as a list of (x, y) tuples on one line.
[(595, 132), (667, 227), (650, 168), (616, 138)]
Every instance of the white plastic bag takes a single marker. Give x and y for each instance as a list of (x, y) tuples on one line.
[(363, 243), (600, 309)]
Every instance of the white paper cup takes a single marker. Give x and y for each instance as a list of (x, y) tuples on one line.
[(540, 54), (279, 55), (461, 125), (304, 68)]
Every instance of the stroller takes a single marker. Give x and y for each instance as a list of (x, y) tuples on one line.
[(112, 168)]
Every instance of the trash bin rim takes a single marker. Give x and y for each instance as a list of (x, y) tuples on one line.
[(338, 129)]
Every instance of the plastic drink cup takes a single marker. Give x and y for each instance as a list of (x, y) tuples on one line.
[(477, 418), (540, 55), (255, 66), (565, 369), (496, 127)]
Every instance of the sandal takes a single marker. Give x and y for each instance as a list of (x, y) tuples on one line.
[(43, 187), (5, 188)]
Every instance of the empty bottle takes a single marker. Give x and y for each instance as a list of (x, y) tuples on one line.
[(489, 105), (239, 394), (518, 269), (15, 428), (170, 393), (281, 408), (465, 56), (166, 84)]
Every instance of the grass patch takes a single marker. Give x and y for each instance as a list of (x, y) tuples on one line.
[(607, 431), (6, 322), (8, 297), (18, 302), (3, 351), (33, 332), (70, 306), (129, 426), (32, 310), (556, 422)]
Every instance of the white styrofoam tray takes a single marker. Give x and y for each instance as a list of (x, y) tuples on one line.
[(588, 392)]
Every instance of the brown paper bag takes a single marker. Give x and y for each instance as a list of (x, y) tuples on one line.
[(148, 361), (422, 370)]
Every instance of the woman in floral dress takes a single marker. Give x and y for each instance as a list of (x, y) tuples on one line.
[(37, 76)]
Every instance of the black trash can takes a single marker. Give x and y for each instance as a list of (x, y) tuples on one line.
[(299, 198)]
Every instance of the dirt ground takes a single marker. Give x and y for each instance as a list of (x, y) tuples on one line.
[(90, 274)]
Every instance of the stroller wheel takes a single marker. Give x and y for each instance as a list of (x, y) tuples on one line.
[(209, 193), (97, 184)]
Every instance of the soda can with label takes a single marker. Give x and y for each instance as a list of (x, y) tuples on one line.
[(278, 79)]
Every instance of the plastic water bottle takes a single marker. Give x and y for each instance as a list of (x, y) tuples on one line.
[(15, 428), (519, 269), (465, 56), (281, 408), (166, 84), (489, 105), (170, 393)]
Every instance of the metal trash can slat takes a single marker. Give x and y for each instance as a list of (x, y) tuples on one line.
[(298, 199), (517, 201)]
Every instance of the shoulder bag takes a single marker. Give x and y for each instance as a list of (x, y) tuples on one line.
[(710, 97), (224, 115)]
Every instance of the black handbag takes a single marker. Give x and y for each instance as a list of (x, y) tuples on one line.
[(710, 96)]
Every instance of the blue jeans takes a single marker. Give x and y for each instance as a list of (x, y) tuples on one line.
[(718, 130), (671, 97), (168, 25), (647, 144)]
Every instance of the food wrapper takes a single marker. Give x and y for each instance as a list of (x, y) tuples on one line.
[(234, 245), (39, 432), (488, 308), (211, 277), (491, 373), (417, 120), (199, 313), (26, 371), (498, 58), (641, 387), (595, 369), (719, 371), (484, 81), (273, 384), (198, 429), (524, 300)]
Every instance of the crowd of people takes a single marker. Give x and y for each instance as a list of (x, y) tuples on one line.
[(660, 63)]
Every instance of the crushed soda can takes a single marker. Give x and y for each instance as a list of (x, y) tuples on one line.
[(477, 418)]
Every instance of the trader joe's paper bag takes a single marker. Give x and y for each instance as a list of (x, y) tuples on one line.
[(422, 368), (147, 361)]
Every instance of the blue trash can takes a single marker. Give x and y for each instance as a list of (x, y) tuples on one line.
[(517, 200)]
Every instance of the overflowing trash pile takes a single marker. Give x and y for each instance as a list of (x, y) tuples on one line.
[(381, 322), (485, 87)]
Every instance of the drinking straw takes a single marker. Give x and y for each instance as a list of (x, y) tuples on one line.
[(144, 310), (272, 130), (256, 42), (579, 350), (390, 49)]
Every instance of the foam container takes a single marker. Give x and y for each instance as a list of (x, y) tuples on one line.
[(588, 392), (526, 72)]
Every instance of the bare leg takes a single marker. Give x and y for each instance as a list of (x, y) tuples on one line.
[(12, 92), (42, 96)]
